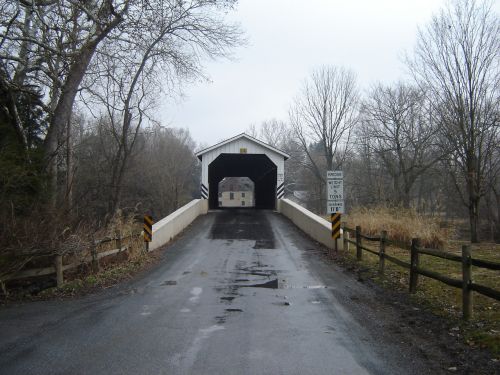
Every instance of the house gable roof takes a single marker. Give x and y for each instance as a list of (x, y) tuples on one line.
[(200, 153)]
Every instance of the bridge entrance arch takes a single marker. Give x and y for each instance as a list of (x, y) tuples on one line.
[(243, 156)]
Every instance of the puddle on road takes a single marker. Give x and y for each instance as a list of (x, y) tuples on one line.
[(257, 270), (169, 282), (234, 310), (273, 284), (276, 284), (265, 244)]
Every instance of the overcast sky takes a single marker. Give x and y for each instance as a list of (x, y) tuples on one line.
[(287, 39)]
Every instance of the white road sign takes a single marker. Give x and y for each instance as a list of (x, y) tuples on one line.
[(334, 207), (334, 175), (335, 192)]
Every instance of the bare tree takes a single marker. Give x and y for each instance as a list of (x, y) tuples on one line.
[(49, 45), (398, 124), (323, 115), (279, 134), (47, 48), (456, 60), (169, 155), (159, 47)]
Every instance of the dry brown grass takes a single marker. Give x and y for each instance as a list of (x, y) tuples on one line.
[(401, 225)]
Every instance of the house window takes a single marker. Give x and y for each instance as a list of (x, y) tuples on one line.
[(243, 195), (243, 150), (242, 203), (231, 196)]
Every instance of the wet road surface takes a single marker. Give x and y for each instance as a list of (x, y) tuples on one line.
[(240, 292)]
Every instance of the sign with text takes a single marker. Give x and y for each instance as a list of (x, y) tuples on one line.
[(335, 192), (334, 175)]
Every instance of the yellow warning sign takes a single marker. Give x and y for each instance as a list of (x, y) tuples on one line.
[(335, 219), (148, 228)]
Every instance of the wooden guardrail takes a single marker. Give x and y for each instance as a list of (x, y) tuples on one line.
[(466, 283), (59, 265)]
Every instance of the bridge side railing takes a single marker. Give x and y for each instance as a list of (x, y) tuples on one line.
[(315, 226)]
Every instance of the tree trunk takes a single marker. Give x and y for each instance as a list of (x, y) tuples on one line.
[(69, 169), (496, 218), (406, 197), (474, 221), (62, 113)]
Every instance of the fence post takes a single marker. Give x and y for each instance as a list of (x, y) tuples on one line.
[(345, 237), (95, 260), (118, 235), (4, 288), (381, 254), (415, 243), (359, 251), (466, 283), (58, 262)]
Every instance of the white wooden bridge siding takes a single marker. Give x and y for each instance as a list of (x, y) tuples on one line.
[(233, 147)]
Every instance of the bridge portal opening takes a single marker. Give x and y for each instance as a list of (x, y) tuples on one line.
[(257, 167), (236, 192)]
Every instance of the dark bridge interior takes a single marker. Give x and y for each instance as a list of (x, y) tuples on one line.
[(259, 168)]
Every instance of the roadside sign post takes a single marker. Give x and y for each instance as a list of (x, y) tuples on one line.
[(148, 231), (335, 201)]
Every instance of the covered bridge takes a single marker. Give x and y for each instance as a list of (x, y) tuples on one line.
[(243, 156)]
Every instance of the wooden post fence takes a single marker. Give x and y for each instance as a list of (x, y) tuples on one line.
[(58, 263), (466, 283), (95, 259), (345, 238), (359, 251), (118, 235), (381, 255), (414, 262)]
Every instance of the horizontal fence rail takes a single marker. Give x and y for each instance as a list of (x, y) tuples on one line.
[(466, 283), (59, 265)]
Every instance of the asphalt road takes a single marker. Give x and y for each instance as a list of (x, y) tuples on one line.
[(240, 292)]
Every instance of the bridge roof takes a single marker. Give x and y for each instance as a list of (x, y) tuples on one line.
[(200, 153)]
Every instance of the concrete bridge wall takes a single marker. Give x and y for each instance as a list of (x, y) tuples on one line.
[(169, 227), (315, 226)]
